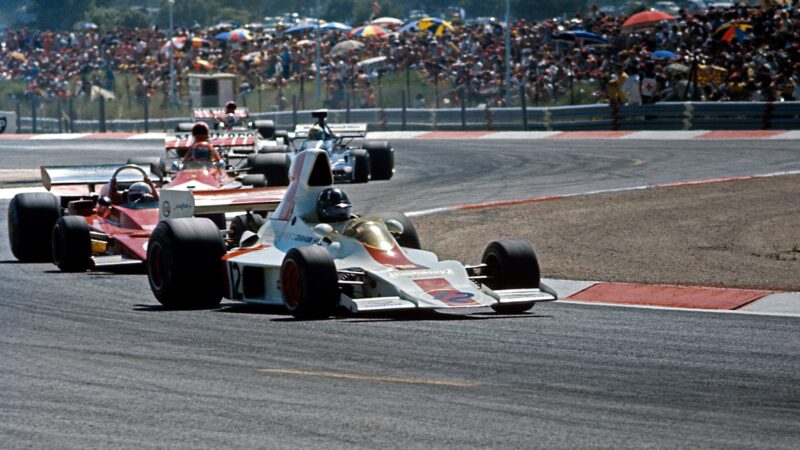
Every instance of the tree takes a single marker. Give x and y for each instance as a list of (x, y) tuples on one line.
[(60, 14)]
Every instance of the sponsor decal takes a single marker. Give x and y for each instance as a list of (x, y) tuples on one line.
[(3, 124), (419, 273), (441, 289), (166, 208)]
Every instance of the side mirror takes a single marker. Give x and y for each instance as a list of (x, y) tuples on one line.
[(322, 230), (394, 227), (104, 201), (248, 239)]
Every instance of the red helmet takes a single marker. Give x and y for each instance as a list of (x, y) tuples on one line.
[(200, 131), (230, 106)]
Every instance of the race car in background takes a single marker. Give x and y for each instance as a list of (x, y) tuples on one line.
[(87, 228), (373, 160), (312, 265)]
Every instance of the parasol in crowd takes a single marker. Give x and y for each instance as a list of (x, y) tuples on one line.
[(335, 26), (307, 26), (345, 47), (581, 37), (371, 61), (253, 58), (200, 42), (88, 26), (726, 32), (305, 43), (237, 35), (663, 54), (677, 68), (369, 31), (388, 22), (202, 64), (435, 26), (645, 19), (177, 43), (17, 56)]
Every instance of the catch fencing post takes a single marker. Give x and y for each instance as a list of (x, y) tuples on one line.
[(463, 109), (33, 114), (294, 110), (71, 113), (767, 123), (489, 120), (347, 105), (403, 113), (19, 116), (58, 115), (436, 87), (146, 114), (524, 103), (102, 114), (614, 115), (408, 85)]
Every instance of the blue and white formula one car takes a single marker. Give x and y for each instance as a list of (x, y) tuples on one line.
[(373, 160), (313, 256)]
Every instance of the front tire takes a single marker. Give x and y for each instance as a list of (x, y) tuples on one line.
[(184, 266), (381, 155), (511, 264), (242, 223), (31, 217), (72, 244), (309, 283), (361, 166)]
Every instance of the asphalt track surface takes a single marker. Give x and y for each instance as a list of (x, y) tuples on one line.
[(91, 360)]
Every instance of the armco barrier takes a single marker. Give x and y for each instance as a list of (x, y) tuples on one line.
[(598, 117)]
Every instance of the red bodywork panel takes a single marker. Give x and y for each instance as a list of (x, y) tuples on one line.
[(128, 229), (209, 176)]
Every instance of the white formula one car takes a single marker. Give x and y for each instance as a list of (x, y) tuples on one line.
[(312, 267)]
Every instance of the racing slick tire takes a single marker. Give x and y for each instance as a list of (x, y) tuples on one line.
[(184, 266), (272, 147), (274, 166), (309, 283), (381, 155), (31, 217), (184, 127), (217, 218), (511, 264), (242, 223), (266, 128), (409, 238), (255, 180), (282, 136), (361, 166), (146, 162), (72, 244)]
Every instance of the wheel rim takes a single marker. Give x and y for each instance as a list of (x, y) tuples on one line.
[(290, 284), (156, 261)]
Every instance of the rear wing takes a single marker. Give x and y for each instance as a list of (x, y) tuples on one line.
[(343, 130), (173, 203), (89, 175), (222, 138), (218, 113)]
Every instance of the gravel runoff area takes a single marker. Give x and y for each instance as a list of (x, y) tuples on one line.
[(742, 234)]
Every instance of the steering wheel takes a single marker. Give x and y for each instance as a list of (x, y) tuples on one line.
[(116, 196)]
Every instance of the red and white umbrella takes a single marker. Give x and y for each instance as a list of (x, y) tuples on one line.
[(388, 22), (646, 19)]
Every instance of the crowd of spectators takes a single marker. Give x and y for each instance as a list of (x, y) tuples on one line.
[(762, 63)]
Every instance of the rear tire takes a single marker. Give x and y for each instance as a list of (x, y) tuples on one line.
[(217, 218), (242, 223), (381, 155), (31, 217), (409, 238), (184, 266), (274, 166), (257, 180), (72, 244), (184, 127), (309, 283), (511, 264), (361, 165), (266, 128)]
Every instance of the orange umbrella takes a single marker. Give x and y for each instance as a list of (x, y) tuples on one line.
[(645, 19), (18, 56), (202, 64)]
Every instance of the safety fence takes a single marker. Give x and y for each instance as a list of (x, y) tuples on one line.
[(659, 116)]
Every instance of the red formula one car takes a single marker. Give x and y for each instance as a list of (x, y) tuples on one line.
[(86, 229)]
